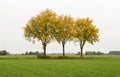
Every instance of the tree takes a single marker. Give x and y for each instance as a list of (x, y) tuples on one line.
[(3, 52), (40, 28), (88, 53), (32, 53), (62, 30), (99, 53), (85, 32)]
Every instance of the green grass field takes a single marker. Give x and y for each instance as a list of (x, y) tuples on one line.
[(30, 66)]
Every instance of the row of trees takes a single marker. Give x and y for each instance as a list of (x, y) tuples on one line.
[(93, 53), (31, 53), (48, 26), (3, 52)]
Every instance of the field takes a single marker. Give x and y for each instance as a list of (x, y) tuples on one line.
[(30, 66)]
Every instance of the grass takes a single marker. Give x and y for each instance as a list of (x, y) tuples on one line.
[(30, 66)]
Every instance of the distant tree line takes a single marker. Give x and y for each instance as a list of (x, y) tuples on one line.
[(4, 52), (31, 53), (94, 53), (114, 53)]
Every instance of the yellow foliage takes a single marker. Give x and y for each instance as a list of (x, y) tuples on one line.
[(39, 27), (86, 31), (63, 28)]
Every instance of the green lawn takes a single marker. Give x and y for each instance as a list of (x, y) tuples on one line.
[(29, 66)]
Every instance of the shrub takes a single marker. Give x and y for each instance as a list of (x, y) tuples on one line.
[(58, 57)]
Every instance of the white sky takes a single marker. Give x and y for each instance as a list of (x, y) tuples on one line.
[(14, 14)]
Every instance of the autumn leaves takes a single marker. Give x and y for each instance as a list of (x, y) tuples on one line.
[(48, 26)]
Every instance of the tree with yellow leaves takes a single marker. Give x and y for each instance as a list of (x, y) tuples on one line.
[(62, 30), (85, 31), (40, 28)]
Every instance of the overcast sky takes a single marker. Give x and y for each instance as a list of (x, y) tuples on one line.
[(14, 14)]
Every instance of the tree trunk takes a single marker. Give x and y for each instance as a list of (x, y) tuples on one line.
[(44, 48), (63, 45), (81, 53), (82, 43)]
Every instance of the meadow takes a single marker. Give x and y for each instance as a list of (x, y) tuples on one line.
[(30, 66)]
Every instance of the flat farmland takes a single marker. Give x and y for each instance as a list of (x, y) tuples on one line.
[(30, 66)]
